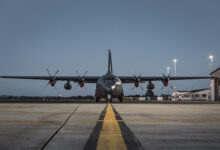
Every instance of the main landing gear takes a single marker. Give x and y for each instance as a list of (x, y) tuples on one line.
[(109, 99), (121, 99)]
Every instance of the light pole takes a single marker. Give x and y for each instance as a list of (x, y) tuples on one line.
[(175, 61), (211, 57)]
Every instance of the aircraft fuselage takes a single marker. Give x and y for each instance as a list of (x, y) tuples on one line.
[(109, 86)]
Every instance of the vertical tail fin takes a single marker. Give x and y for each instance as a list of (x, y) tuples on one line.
[(109, 62)]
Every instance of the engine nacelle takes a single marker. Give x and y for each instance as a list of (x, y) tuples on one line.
[(150, 86), (136, 83), (67, 86), (52, 83), (81, 83)]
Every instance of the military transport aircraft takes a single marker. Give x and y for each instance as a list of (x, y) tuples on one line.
[(108, 86)]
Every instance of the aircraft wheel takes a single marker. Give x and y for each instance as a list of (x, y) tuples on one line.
[(97, 100), (108, 100)]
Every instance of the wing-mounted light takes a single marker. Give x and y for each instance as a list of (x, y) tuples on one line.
[(52, 79), (137, 82)]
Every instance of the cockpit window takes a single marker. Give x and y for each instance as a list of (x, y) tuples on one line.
[(110, 78)]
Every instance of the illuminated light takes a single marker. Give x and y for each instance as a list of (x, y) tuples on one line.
[(211, 62), (174, 60), (211, 57), (113, 86)]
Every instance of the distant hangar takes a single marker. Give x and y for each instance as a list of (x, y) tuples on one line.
[(215, 90)]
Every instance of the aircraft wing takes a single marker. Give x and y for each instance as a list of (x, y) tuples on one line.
[(87, 79), (94, 79), (130, 79)]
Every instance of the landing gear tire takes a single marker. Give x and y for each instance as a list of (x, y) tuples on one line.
[(97, 100), (109, 98)]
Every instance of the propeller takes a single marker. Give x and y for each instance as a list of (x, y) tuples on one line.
[(166, 80), (52, 79), (81, 80), (137, 82)]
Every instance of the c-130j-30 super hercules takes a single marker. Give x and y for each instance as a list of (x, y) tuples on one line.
[(107, 86)]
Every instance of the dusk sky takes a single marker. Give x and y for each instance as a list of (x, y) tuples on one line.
[(144, 37)]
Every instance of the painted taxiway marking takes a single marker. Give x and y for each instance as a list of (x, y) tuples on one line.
[(110, 136)]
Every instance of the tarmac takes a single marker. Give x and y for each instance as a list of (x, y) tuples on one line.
[(80, 126)]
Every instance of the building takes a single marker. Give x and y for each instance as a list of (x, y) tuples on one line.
[(200, 94), (215, 81)]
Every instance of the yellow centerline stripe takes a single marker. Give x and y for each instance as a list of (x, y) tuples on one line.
[(110, 137)]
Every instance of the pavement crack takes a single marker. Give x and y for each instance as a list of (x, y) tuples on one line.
[(46, 142)]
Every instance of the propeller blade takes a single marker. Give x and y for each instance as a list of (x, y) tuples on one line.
[(78, 74), (169, 74), (55, 73), (52, 78), (135, 76), (140, 75), (47, 84), (84, 75), (76, 86), (132, 88), (48, 72), (164, 76), (141, 87), (168, 77)]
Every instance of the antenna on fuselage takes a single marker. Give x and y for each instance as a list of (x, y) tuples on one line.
[(109, 62)]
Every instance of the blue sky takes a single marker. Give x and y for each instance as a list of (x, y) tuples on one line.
[(144, 36)]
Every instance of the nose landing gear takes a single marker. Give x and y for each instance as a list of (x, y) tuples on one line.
[(109, 98)]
